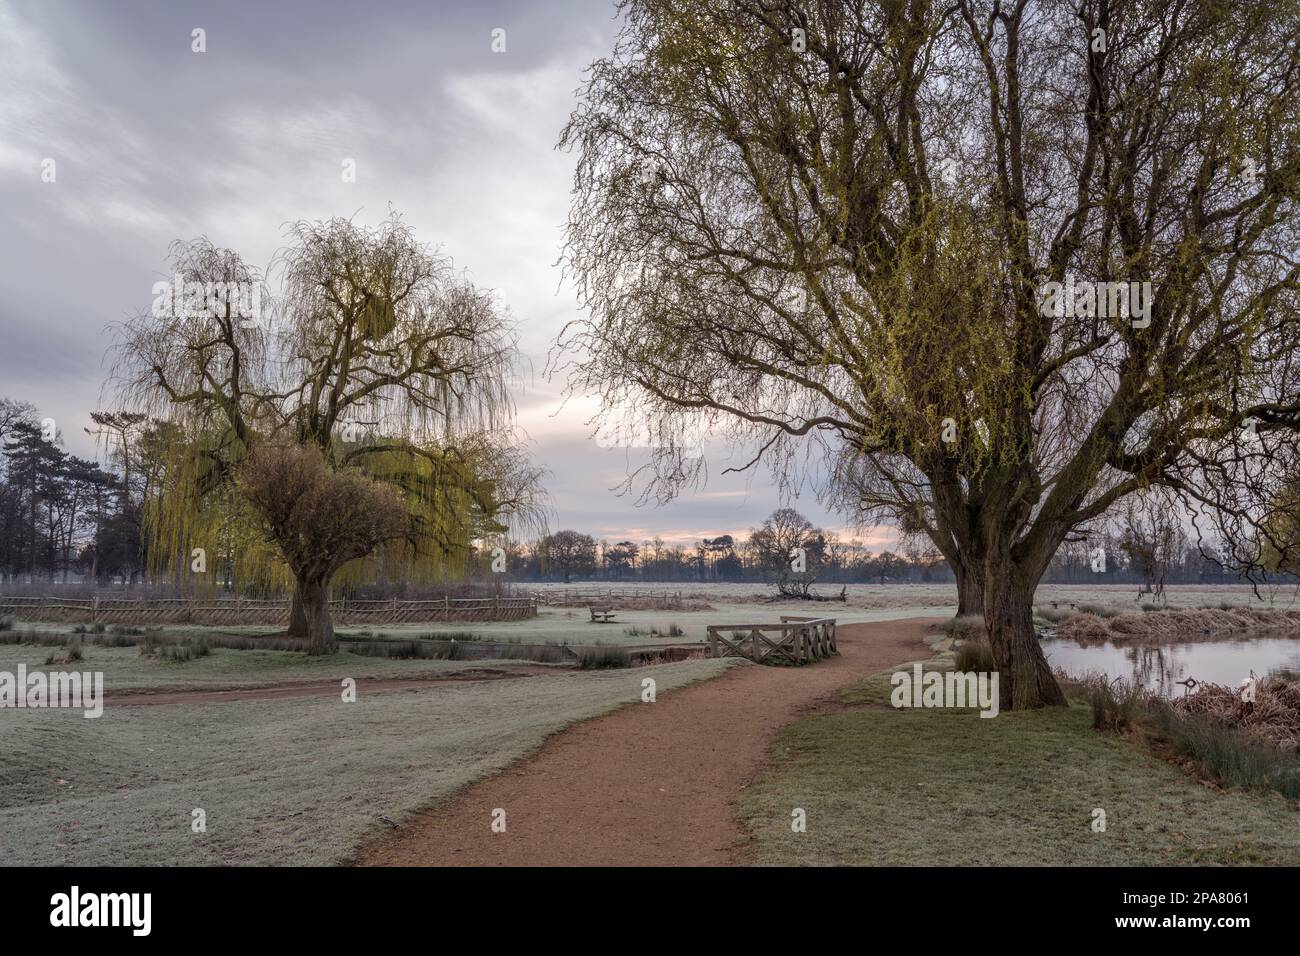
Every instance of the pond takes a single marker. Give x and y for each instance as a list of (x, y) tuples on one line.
[(1158, 666)]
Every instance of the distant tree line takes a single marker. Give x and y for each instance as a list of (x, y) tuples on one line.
[(1148, 551), (64, 518), (60, 515)]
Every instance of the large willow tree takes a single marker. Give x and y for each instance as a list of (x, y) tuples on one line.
[(835, 223), (361, 344)]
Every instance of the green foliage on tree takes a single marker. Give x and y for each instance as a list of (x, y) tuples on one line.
[(839, 235), (373, 351)]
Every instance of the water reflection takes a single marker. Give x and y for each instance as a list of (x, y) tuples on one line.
[(1161, 666)]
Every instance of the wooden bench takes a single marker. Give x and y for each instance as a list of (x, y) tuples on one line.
[(601, 614)]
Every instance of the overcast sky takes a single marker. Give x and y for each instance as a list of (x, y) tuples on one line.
[(153, 142)]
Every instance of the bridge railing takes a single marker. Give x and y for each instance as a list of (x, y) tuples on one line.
[(795, 640)]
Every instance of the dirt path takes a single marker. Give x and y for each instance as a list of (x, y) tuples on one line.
[(651, 784), (291, 689)]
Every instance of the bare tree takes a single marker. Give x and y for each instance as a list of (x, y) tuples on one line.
[(1150, 532), (14, 413), (569, 551), (118, 432), (790, 550), (320, 518)]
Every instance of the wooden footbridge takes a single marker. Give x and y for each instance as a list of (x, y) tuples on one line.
[(796, 640)]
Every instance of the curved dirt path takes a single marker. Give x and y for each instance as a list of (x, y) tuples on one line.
[(650, 784)]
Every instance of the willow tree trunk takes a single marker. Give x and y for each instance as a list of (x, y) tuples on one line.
[(1024, 678), (970, 589), (297, 619), (312, 598)]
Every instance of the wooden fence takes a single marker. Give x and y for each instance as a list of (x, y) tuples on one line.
[(571, 596), (796, 640), (237, 611)]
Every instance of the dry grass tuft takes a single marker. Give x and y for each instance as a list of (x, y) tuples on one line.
[(1175, 625), (968, 627), (1115, 705), (1273, 716), (1084, 627)]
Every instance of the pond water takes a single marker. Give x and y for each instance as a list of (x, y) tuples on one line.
[(1159, 666)]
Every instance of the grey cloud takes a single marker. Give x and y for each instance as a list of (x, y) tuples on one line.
[(155, 143)]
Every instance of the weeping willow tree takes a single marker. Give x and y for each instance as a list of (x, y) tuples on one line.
[(1007, 263), (373, 352)]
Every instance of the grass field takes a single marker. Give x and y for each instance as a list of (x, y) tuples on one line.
[(124, 668), (947, 788), (748, 604), (894, 596), (573, 626), (307, 780), (282, 782)]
